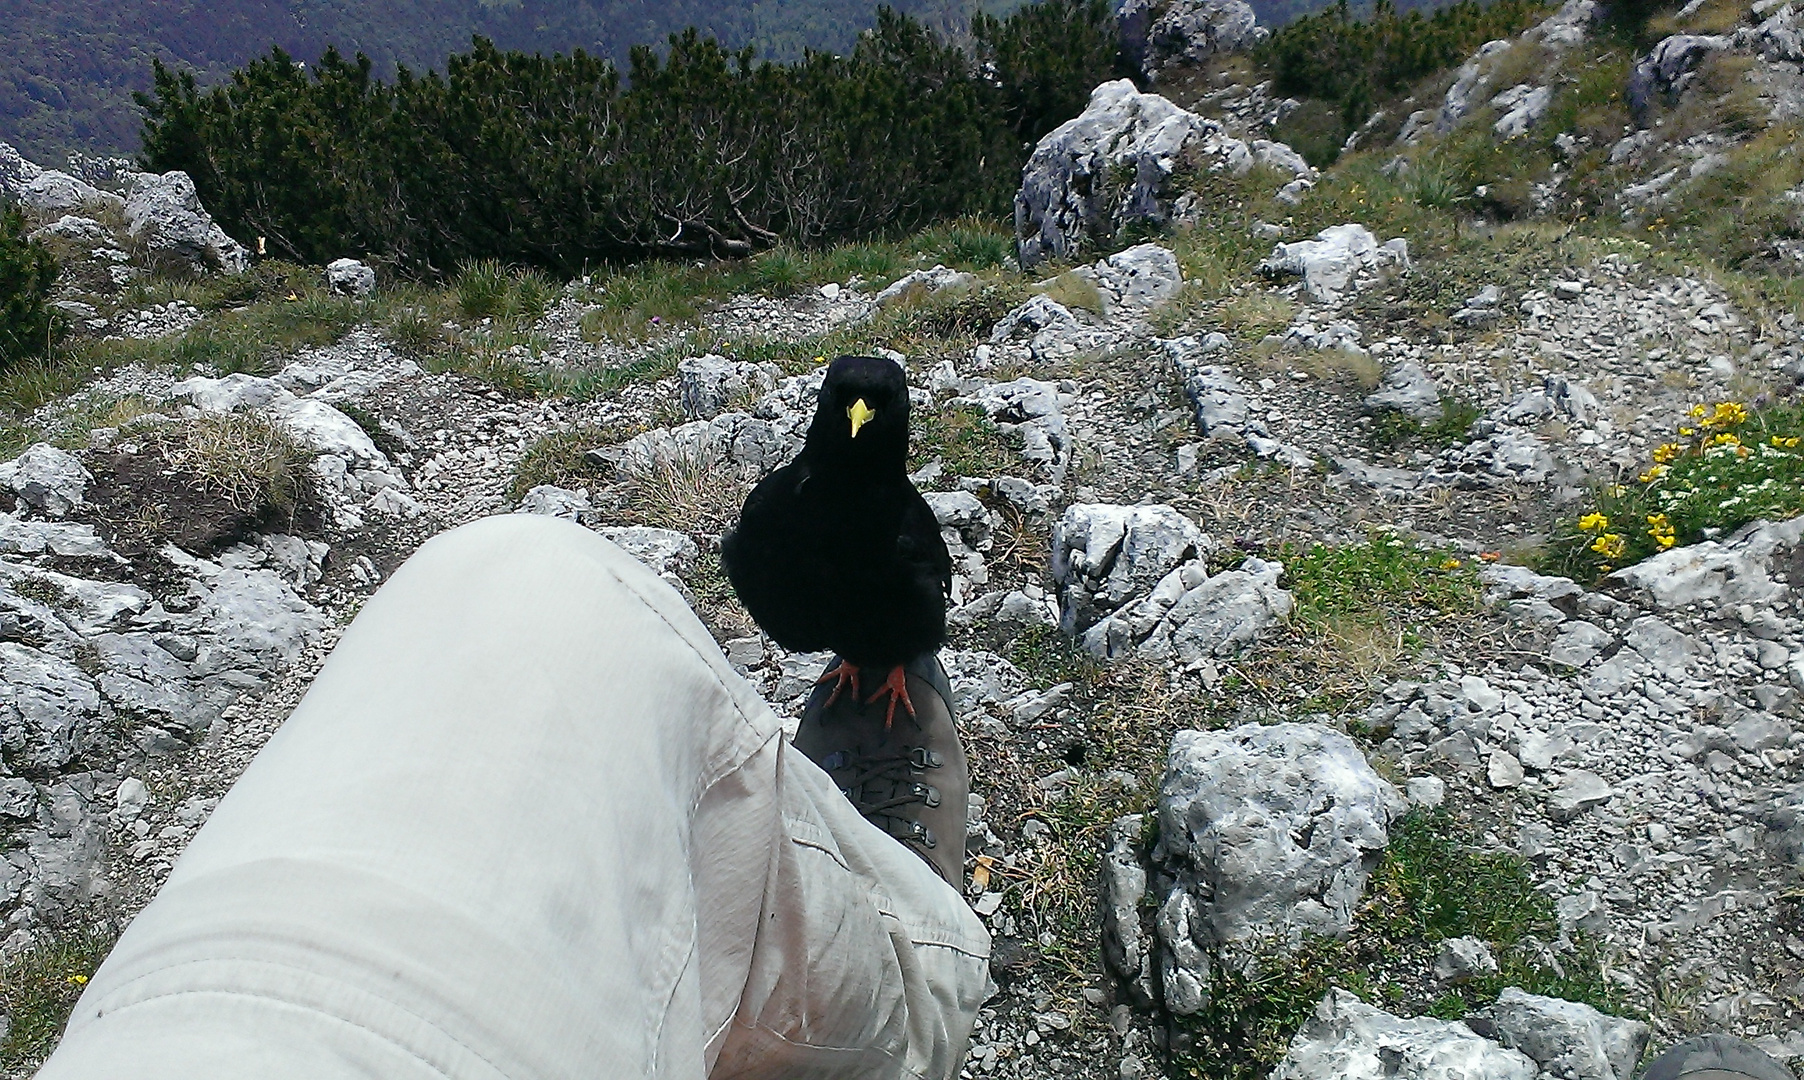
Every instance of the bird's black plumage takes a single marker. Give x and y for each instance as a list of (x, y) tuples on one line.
[(837, 550)]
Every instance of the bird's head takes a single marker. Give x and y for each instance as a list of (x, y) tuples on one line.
[(862, 415)]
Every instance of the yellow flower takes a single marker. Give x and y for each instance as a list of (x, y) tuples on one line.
[(1450, 564), (1688, 432), (1594, 521), (1725, 439), (1726, 414), (1654, 473), (79, 980), (1666, 540), (1660, 522), (1785, 443), (1698, 411), (1610, 545), (1666, 452)]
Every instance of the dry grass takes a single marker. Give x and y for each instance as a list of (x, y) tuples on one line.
[(1074, 291), (1353, 371), (1256, 312), (693, 492), (241, 457)]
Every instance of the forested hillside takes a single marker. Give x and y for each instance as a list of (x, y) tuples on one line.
[(68, 67)]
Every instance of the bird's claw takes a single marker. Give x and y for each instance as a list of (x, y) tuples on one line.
[(845, 673), (896, 686)]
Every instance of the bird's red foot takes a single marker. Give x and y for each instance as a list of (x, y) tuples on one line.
[(896, 686), (845, 672)]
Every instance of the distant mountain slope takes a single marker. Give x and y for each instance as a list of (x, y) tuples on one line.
[(68, 67)]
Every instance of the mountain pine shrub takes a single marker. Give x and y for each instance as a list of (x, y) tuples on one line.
[(561, 162), (28, 325)]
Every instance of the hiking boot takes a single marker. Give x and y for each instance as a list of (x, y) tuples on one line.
[(1716, 1057), (909, 778)]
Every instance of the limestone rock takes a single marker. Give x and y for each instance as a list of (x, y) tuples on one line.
[(1463, 959), (917, 283), (53, 192), (349, 277), (1103, 555), (1667, 67), (1106, 169), (1721, 575), (1567, 1038), (49, 480), (1158, 33), (1347, 1039), (707, 385), (1330, 264), (664, 550), (164, 213), (1194, 617), (1269, 832), (1407, 389), (553, 501), (1136, 280)]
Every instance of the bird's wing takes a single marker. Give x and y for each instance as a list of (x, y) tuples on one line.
[(920, 545), (768, 562)]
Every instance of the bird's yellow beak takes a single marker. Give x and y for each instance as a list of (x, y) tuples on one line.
[(860, 414)]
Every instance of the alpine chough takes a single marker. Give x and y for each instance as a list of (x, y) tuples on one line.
[(837, 550)]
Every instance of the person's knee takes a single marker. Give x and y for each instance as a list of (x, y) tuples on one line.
[(504, 542)]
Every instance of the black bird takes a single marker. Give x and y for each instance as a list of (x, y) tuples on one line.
[(837, 550)]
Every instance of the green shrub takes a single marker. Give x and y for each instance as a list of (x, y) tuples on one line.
[(1728, 466), (28, 325), (561, 162)]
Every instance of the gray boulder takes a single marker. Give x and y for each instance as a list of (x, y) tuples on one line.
[(1407, 389), (1331, 263), (1032, 409), (1124, 885), (1136, 280), (1729, 575), (1347, 1039), (1520, 108), (1269, 833), (918, 283), (1108, 168), (51, 713), (1050, 330), (165, 214), (1103, 555), (349, 277), (664, 550), (1466, 93), (53, 192), (550, 500), (1158, 33), (1667, 68), (1567, 1039), (706, 385), (1194, 616), (1463, 959), (15, 171), (49, 480)]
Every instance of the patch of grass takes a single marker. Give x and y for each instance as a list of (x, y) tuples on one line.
[(691, 492), (42, 590), (1252, 314), (1075, 292), (1727, 466), (558, 458), (1393, 428), (964, 440), (490, 289), (1386, 570), (242, 457), (39, 987), (1433, 883)]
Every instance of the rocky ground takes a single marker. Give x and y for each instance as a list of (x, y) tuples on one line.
[(1293, 754)]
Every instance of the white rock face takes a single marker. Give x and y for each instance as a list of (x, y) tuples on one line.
[(1095, 174), (49, 480), (1195, 618), (1522, 107), (1155, 35), (1330, 263), (549, 500), (1347, 1039), (52, 192), (1567, 1038), (1270, 833), (165, 213), (1668, 66), (1407, 389), (1103, 555), (1136, 280), (707, 384), (664, 550), (15, 171), (924, 283), (349, 277), (1724, 576)]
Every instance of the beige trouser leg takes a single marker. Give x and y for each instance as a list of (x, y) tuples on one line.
[(528, 823)]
